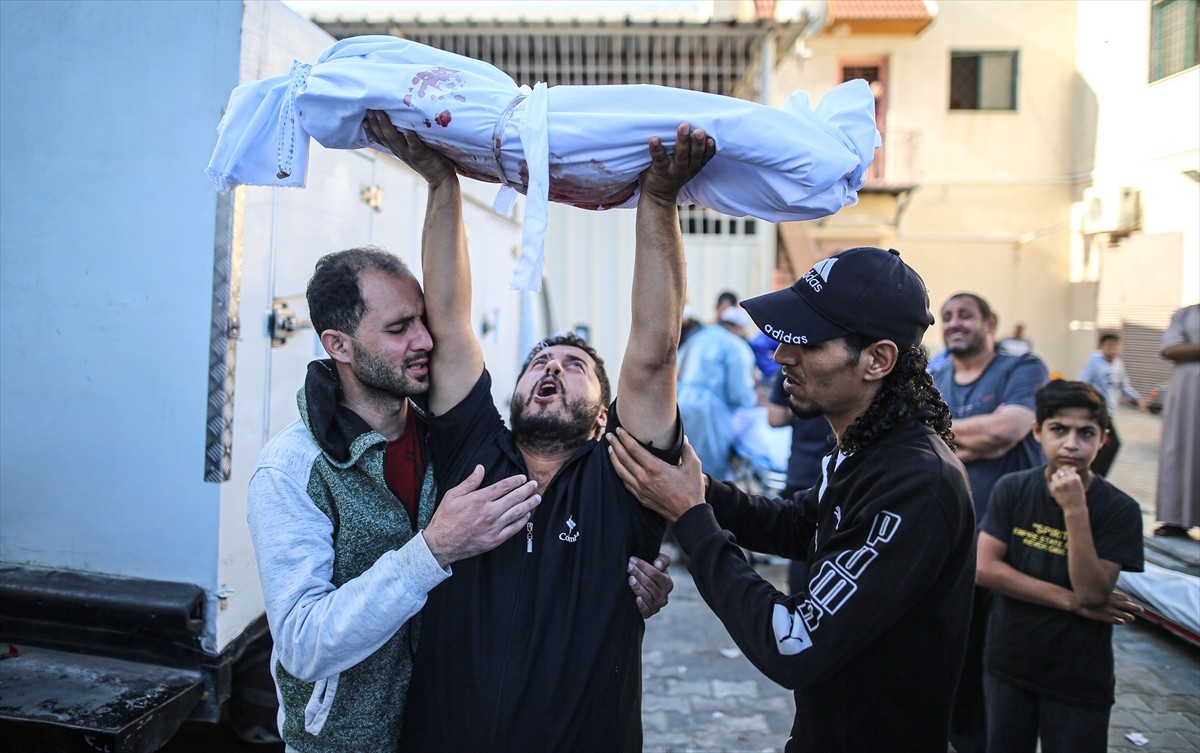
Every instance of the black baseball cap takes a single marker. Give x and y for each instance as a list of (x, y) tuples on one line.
[(866, 291)]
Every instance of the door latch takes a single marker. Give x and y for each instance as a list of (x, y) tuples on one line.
[(283, 323)]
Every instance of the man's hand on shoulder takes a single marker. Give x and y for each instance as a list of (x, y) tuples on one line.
[(470, 521), (669, 490)]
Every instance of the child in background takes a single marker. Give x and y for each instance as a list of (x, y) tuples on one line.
[(1051, 545)]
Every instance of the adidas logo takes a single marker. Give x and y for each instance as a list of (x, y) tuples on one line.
[(777, 334), (818, 276)]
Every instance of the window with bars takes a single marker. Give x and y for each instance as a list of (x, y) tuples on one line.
[(1173, 37), (710, 58), (983, 80), (719, 58), (694, 220)]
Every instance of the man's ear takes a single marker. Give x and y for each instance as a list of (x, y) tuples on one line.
[(1037, 432), (336, 344), (878, 359), (601, 420)]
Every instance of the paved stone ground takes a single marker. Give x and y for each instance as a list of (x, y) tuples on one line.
[(1158, 675), (698, 692), (702, 695)]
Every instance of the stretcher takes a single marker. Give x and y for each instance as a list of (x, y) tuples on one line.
[(1171, 599)]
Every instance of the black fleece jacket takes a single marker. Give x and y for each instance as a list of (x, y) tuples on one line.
[(873, 645)]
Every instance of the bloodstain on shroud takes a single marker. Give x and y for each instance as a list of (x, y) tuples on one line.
[(588, 185)]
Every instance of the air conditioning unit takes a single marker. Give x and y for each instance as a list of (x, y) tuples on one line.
[(1112, 210)]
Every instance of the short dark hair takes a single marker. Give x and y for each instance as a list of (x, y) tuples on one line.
[(985, 309), (1060, 395), (727, 296), (335, 299), (1109, 336), (575, 341)]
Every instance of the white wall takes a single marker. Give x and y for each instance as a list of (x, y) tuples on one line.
[(1147, 135)]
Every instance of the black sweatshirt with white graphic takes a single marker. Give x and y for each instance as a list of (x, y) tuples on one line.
[(873, 645)]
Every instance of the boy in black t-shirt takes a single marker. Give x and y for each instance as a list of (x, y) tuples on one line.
[(1051, 545)]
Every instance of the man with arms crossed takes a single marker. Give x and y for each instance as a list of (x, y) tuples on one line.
[(873, 641), (990, 396), (530, 647)]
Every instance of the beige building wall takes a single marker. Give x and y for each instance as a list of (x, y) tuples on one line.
[(993, 191)]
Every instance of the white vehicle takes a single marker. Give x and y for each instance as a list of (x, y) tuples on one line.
[(153, 337)]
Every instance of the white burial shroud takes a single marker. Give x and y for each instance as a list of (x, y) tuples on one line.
[(578, 145)]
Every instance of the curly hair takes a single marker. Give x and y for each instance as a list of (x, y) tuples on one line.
[(575, 341), (907, 392)]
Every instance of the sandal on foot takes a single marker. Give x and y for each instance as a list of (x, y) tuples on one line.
[(1168, 529)]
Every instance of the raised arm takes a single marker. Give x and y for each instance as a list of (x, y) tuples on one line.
[(457, 359), (646, 388)]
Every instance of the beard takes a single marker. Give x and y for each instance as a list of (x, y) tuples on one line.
[(380, 376), (812, 409), (976, 344), (805, 412), (551, 433)]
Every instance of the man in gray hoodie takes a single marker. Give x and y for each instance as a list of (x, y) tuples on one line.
[(342, 512)]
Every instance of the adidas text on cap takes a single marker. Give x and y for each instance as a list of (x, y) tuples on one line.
[(865, 291)]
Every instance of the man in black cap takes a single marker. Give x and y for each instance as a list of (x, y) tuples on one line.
[(873, 643)]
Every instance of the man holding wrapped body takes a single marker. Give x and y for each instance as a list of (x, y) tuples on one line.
[(530, 647), (873, 641)]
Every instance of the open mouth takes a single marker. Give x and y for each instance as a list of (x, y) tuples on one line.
[(546, 390)]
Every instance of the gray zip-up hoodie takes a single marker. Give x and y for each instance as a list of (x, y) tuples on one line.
[(343, 574)]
